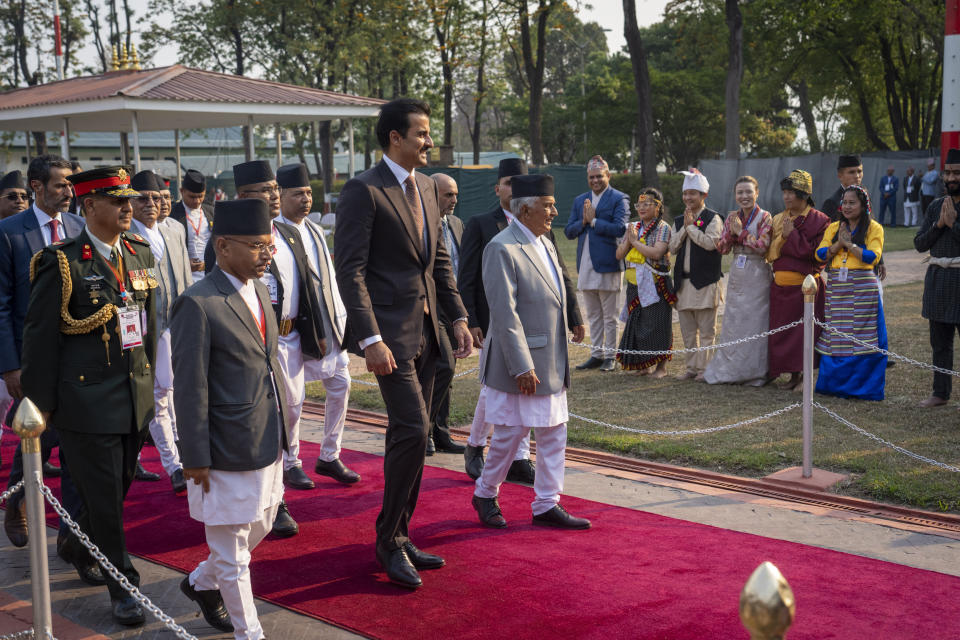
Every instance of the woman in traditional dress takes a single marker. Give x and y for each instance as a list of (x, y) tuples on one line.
[(649, 325), (851, 247), (795, 235), (747, 234)]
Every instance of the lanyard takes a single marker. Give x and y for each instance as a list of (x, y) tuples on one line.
[(196, 227), (116, 274), (753, 214)]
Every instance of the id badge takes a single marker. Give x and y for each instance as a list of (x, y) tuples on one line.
[(843, 275), (271, 283), (741, 261), (131, 333)]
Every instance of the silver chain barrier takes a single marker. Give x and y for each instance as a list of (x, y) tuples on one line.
[(864, 432), (644, 352), (688, 432), (6, 496), (889, 354), (169, 622)]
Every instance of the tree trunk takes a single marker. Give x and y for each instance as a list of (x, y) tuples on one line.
[(326, 154), (734, 76), (315, 146), (447, 69), (533, 69), (641, 83), (806, 114), (855, 77)]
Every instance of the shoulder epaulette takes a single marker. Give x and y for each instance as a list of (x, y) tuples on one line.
[(136, 237)]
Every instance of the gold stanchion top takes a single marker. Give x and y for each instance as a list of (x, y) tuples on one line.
[(767, 606), (28, 422), (809, 286)]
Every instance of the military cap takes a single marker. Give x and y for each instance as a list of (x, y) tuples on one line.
[(252, 172), (244, 217), (532, 186), (291, 176), (105, 181), (194, 181), (13, 180)]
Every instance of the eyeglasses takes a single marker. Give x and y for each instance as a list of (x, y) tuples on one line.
[(14, 197), (265, 190), (258, 247), (146, 199)]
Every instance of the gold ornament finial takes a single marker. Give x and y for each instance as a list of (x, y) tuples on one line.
[(114, 60), (28, 423), (134, 58), (767, 606), (124, 61), (809, 286)]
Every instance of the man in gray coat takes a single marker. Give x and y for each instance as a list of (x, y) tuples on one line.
[(224, 336), (524, 363), (173, 275)]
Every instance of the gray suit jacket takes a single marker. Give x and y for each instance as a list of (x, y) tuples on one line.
[(173, 270), (226, 391), (528, 321)]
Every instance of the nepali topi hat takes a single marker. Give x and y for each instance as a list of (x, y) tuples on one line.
[(244, 217), (532, 185), (292, 176)]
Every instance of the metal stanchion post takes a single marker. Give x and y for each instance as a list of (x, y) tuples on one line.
[(28, 423), (767, 605), (809, 299)]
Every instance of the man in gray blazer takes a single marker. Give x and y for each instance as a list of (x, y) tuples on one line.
[(173, 275), (524, 363), (231, 428)]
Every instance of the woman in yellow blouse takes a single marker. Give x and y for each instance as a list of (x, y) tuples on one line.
[(851, 247)]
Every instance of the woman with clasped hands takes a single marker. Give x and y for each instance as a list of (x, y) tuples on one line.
[(851, 247), (649, 292)]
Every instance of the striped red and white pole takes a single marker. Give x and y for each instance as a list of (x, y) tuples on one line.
[(950, 129), (57, 46)]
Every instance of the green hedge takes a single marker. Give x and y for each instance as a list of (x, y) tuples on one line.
[(671, 185)]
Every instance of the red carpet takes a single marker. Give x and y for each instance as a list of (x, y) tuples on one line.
[(634, 575)]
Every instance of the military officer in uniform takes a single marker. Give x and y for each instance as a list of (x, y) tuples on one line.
[(88, 348)]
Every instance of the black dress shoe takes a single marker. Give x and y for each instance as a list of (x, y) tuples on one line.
[(295, 478), (15, 523), (446, 444), (73, 553), (284, 526), (608, 365), (211, 605), (558, 517), (337, 470), (421, 559), (473, 461), (399, 568), (127, 611), (431, 447), (590, 363), (522, 471), (489, 511), (50, 471), (177, 482), (143, 474)]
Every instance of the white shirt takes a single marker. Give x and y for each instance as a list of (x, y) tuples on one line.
[(102, 247), (43, 219), (198, 234), (238, 497), (157, 245), (289, 278)]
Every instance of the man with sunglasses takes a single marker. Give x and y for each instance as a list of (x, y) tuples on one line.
[(21, 236), (13, 194)]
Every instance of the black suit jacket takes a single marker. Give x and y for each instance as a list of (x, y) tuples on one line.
[(384, 271), (308, 322), (478, 232), (179, 213), (914, 196)]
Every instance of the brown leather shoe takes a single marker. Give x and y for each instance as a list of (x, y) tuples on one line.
[(15, 523), (932, 401)]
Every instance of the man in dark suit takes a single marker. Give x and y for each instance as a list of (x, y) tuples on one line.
[(395, 276), (298, 320), (231, 425), (911, 198), (451, 230), (196, 217), (478, 232), (21, 236), (88, 361)]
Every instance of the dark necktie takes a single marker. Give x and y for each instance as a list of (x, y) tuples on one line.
[(55, 230), (413, 199)]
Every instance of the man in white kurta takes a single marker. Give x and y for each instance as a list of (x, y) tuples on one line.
[(524, 363), (231, 429)]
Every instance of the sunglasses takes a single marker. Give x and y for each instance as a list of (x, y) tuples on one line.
[(15, 197)]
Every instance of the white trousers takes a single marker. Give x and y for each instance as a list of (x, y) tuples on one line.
[(480, 429), (337, 387), (5, 401), (911, 213), (551, 450), (291, 368), (163, 427), (227, 568), (602, 313)]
